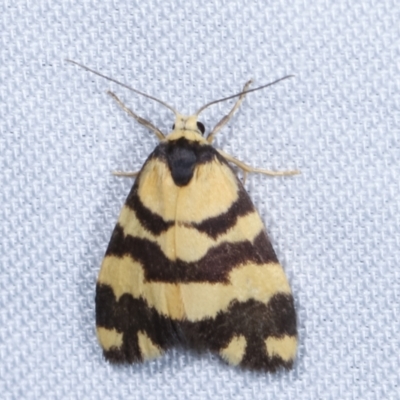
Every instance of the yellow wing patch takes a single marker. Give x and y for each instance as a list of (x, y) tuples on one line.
[(284, 347), (234, 352), (148, 349), (156, 183), (248, 282), (109, 338)]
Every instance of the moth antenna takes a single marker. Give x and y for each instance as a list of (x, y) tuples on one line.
[(241, 93), (123, 85)]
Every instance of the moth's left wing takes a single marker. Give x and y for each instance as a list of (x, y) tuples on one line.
[(236, 297), (133, 312)]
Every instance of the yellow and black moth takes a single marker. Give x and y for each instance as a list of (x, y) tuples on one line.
[(190, 262)]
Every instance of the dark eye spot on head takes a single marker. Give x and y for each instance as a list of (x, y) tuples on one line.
[(201, 127), (173, 126)]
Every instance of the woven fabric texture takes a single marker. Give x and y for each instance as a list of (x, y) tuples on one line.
[(335, 227)]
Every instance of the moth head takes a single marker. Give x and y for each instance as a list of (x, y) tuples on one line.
[(183, 123)]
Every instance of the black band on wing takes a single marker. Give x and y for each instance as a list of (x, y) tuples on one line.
[(220, 224), (153, 222), (215, 266)]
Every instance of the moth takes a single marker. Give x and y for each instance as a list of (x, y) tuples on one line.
[(189, 261)]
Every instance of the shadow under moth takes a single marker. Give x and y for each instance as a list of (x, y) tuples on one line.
[(189, 261)]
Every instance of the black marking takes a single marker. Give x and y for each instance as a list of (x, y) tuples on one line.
[(220, 224), (201, 127), (252, 319), (214, 266), (182, 157), (153, 222)]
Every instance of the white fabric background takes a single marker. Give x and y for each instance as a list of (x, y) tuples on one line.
[(335, 227)]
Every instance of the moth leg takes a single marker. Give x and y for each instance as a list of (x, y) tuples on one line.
[(227, 117), (126, 174), (141, 120), (246, 168)]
